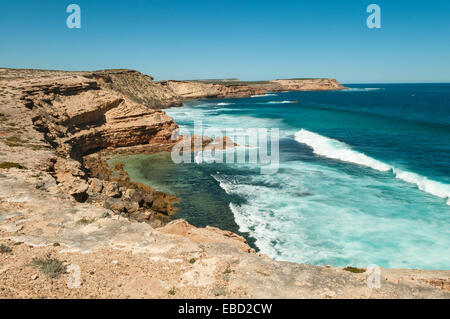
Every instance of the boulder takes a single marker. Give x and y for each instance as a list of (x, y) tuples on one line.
[(95, 186), (131, 206), (139, 196), (114, 204), (112, 190), (160, 206), (71, 178), (132, 195), (181, 227)]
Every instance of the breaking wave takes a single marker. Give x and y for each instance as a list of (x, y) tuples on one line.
[(361, 89), (277, 102), (335, 149), (263, 95), (281, 102)]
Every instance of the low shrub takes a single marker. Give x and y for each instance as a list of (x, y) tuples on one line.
[(355, 270), (51, 267), (6, 165)]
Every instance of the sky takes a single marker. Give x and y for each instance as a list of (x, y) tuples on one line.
[(245, 39)]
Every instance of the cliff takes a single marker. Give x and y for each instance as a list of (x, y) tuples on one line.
[(80, 116), (137, 87), (236, 88), (308, 85), (61, 204), (197, 90)]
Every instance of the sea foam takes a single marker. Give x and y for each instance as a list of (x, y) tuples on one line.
[(281, 102), (360, 89), (263, 95), (335, 149), (338, 150)]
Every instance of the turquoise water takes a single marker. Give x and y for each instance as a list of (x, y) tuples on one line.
[(364, 176)]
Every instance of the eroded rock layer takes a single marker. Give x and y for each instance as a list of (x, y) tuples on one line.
[(80, 116)]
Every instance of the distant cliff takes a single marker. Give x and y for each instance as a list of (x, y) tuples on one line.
[(236, 88), (308, 85)]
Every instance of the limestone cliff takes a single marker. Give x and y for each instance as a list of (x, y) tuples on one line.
[(79, 116), (82, 113), (308, 85)]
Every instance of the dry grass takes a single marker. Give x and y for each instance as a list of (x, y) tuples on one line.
[(51, 267), (5, 249), (355, 270), (7, 165), (85, 221)]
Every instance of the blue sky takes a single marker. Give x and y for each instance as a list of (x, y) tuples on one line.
[(251, 40)]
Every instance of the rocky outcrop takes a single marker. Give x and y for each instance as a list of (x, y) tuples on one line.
[(71, 178), (80, 116), (209, 234), (232, 89), (307, 85), (116, 192)]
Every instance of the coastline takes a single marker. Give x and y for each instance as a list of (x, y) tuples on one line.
[(106, 113)]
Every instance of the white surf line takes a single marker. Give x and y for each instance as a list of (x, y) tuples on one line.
[(335, 149)]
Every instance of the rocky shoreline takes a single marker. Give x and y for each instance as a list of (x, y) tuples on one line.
[(60, 200)]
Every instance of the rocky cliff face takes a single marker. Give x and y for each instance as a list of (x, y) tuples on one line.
[(137, 87), (79, 116)]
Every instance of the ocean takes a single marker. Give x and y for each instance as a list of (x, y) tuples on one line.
[(363, 178)]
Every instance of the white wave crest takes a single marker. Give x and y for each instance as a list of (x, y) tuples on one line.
[(335, 149), (263, 95), (224, 103), (361, 89), (280, 102), (424, 184)]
